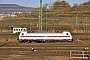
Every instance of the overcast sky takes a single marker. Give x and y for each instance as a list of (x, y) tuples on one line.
[(35, 3)]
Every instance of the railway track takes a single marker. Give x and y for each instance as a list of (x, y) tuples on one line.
[(43, 50), (57, 44), (44, 46)]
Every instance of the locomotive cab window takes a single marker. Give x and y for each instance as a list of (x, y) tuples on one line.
[(22, 33), (19, 29), (14, 29), (24, 29), (67, 34)]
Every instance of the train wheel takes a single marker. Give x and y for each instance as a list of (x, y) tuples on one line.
[(20, 41), (29, 41)]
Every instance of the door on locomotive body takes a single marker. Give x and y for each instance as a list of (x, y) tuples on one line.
[(20, 38)]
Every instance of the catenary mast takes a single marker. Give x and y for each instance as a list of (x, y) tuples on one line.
[(40, 16)]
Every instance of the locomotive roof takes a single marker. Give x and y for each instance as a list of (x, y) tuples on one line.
[(46, 32)]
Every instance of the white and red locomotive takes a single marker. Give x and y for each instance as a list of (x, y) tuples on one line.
[(45, 36)]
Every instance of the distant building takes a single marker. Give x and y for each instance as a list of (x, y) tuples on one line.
[(1, 17), (9, 10), (18, 30)]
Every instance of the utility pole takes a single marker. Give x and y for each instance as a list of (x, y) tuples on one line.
[(40, 16), (46, 15)]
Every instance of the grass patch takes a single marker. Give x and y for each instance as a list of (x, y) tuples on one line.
[(13, 40)]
